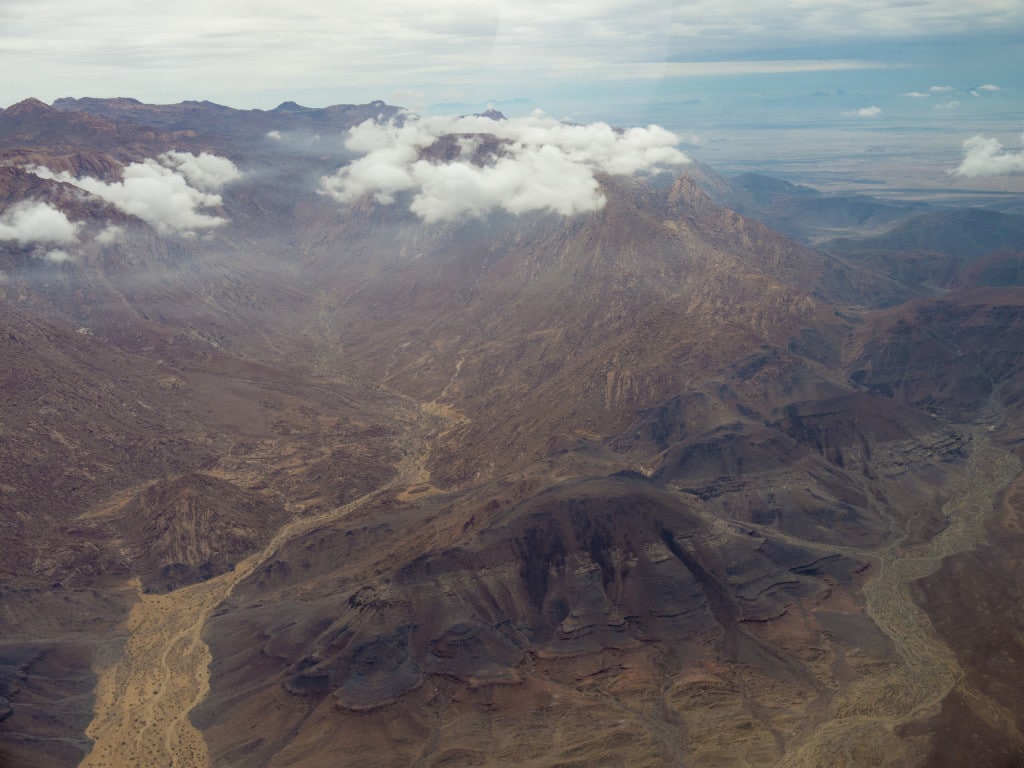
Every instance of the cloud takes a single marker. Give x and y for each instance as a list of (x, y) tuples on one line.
[(982, 90), (947, 106), (658, 70), (204, 171), (941, 88), (916, 95), (166, 193), (985, 157), (275, 135), (522, 164), (111, 234), (257, 54), (30, 221), (871, 111), (57, 256)]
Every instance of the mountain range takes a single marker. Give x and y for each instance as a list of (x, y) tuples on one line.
[(723, 472)]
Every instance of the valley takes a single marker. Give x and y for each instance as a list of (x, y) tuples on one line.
[(865, 721), (299, 476), (144, 697)]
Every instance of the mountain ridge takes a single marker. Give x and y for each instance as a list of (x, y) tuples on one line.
[(651, 484)]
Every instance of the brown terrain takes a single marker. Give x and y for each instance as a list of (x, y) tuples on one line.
[(652, 486)]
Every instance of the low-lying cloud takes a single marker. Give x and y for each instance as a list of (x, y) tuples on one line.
[(524, 164), (57, 256), (204, 171), (167, 192), (986, 157), (30, 221), (110, 234)]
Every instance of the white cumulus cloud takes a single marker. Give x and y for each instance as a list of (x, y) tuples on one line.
[(941, 88), (989, 87), (540, 164), (947, 106), (166, 193), (871, 111), (916, 95), (986, 157), (30, 221), (204, 171)]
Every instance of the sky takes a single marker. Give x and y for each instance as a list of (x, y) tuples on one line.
[(745, 83)]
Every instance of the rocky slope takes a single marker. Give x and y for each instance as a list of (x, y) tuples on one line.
[(650, 485)]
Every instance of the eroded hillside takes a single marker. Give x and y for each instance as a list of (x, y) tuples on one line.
[(292, 482)]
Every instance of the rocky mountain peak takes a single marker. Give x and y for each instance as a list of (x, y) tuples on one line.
[(29, 106), (290, 106), (492, 114)]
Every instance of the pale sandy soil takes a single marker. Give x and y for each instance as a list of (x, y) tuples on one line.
[(143, 698), (860, 726)]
